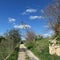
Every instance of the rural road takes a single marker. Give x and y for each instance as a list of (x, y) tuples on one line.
[(23, 51)]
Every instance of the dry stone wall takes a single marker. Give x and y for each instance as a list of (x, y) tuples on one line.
[(54, 48)]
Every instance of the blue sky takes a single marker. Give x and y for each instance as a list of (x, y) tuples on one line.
[(12, 12)]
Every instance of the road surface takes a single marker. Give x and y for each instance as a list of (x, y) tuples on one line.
[(23, 51)]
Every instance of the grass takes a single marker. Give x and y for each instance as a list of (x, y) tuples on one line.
[(41, 50), (4, 51), (14, 55)]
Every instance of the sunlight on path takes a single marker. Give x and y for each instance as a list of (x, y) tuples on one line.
[(31, 55), (21, 55), (24, 50)]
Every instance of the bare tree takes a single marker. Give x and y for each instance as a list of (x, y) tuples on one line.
[(52, 12), (30, 36)]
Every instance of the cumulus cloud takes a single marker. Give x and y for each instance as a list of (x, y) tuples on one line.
[(22, 26), (36, 17), (29, 11), (11, 19)]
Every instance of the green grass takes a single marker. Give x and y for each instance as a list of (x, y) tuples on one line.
[(4, 51), (41, 50), (58, 37), (14, 55)]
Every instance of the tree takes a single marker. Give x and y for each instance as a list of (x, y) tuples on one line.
[(13, 37), (8, 42), (30, 39), (52, 12), (1, 38), (38, 37), (30, 36)]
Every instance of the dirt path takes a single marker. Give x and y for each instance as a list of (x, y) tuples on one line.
[(23, 51), (31, 55), (21, 55)]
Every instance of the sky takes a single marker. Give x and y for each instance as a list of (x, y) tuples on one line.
[(13, 12)]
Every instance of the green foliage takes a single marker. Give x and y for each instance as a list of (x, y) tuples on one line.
[(44, 55), (38, 37), (41, 50), (4, 48), (9, 42), (14, 55), (30, 45), (15, 35), (1, 38), (58, 38)]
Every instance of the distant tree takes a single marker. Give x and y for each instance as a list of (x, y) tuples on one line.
[(38, 37), (52, 12), (1, 38), (30, 36), (15, 35)]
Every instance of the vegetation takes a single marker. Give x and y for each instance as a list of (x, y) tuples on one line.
[(14, 55), (58, 37), (41, 49), (30, 36), (37, 44), (52, 12), (8, 43), (38, 37)]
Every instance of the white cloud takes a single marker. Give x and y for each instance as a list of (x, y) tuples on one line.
[(46, 26), (49, 34), (27, 26), (29, 11), (46, 35), (22, 26), (36, 17), (11, 19)]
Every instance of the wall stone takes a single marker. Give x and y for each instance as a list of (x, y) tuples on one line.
[(54, 49), (51, 50)]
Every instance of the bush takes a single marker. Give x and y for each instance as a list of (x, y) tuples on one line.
[(58, 38), (14, 55), (30, 45)]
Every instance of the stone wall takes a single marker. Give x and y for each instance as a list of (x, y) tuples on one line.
[(54, 48)]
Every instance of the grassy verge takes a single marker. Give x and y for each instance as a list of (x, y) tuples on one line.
[(14, 55), (44, 54), (41, 50)]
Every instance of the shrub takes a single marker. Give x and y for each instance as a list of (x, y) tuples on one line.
[(58, 38), (30, 45)]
